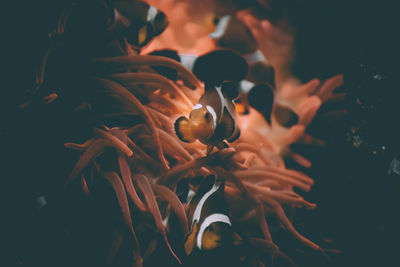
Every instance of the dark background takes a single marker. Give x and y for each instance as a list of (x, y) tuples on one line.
[(357, 198)]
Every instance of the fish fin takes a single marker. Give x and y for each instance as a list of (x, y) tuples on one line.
[(220, 65), (182, 190), (221, 188), (230, 89), (170, 53), (237, 239), (235, 135), (210, 240), (168, 72), (209, 149), (285, 116), (206, 184), (182, 130), (142, 35), (261, 97), (160, 23), (191, 240), (150, 249), (222, 145), (229, 124), (230, 108), (208, 86)]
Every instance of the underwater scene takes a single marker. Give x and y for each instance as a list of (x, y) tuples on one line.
[(200, 133)]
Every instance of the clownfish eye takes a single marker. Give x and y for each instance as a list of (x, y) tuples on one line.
[(207, 115), (211, 228)]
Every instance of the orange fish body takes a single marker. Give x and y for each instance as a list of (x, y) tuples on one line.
[(212, 120)]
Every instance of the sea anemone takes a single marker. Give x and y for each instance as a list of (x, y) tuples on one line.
[(143, 160)]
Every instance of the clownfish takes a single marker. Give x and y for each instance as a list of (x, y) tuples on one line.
[(230, 32), (210, 225), (212, 119), (110, 20), (141, 32)]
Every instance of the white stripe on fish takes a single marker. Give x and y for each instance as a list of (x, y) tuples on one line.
[(216, 217), (254, 57), (199, 207), (213, 114), (221, 27), (151, 13), (197, 106)]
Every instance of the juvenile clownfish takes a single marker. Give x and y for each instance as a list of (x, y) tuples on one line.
[(141, 33), (230, 32), (210, 225), (212, 119)]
